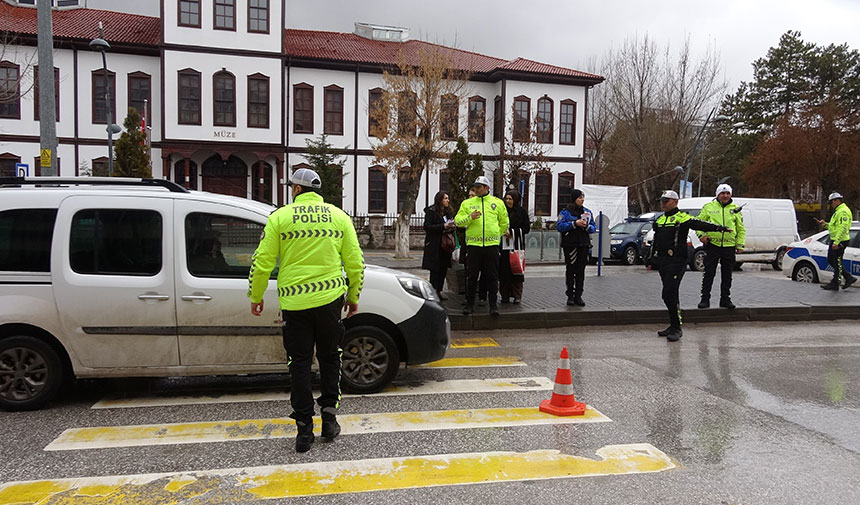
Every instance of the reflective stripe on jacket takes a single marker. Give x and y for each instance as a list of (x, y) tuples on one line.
[(840, 224), (316, 242), (728, 215), (489, 227)]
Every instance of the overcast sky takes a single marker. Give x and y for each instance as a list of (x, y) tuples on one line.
[(569, 32)]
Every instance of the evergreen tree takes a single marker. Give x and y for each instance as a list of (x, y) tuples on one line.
[(463, 169), (325, 161), (132, 157)]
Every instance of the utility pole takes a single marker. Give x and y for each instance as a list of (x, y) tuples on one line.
[(47, 93)]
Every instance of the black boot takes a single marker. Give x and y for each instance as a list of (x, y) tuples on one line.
[(494, 310), (675, 335), (571, 300), (831, 286), (666, 332), (705, 303), (468, 309), (330, 427), (726, 303), (577, 300), (848, 282), (305, 437)]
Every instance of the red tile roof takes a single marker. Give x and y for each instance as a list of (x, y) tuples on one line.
[(84, 24), (351, 48)]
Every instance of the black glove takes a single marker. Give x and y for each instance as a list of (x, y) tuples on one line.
[(725, 229)]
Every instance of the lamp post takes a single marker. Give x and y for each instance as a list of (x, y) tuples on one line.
[(101, 45)]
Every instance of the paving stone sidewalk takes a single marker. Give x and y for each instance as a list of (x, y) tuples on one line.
[(631, 295)]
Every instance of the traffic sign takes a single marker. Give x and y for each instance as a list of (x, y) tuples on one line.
[(22, 169), (45, 158)]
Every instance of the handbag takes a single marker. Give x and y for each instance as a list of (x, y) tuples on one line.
[(517, 259), (455, 254), (448, 243)]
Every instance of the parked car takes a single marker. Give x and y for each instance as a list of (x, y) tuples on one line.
[(109, 277), (626, 238), (806, 260)]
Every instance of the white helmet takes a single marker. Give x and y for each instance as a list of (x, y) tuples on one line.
[(722, 188), (672, 195), (307, 178), (834, 196), (481, 180)]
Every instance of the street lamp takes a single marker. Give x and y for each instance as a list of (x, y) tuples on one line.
[(101, 45)]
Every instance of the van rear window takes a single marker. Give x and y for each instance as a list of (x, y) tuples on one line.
[(25, 239)]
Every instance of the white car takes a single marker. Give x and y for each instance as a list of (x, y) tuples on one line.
[(128, 278), (806, 260)]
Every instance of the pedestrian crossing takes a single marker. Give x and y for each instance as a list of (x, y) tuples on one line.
[(255, 483)]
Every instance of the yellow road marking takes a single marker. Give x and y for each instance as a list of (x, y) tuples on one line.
[(463, 343), (423, 388), (474, 362), (237, 485), (351, 424)]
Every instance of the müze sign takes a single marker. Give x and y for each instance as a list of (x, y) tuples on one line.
[(224, 134)]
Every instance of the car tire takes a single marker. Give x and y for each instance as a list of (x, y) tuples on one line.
[(370, 360), (31, 373), (804, 272), (698, 263), (777, 262), (630, 256)]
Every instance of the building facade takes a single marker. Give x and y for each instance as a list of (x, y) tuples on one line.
[(232, 97)]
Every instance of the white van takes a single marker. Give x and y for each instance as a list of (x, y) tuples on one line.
[(110, 277), (771, 225)]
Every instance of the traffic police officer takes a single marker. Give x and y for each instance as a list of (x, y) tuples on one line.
[(839, 226), (670, 248), (485, 218), (721, 247), (316, 243)]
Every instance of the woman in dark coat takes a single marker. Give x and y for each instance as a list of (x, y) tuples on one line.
[(511, 285), (438, 220)]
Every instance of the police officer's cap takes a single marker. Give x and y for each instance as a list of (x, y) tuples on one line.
[(834, 196), (672, 195), (307, 178), (483, 181)]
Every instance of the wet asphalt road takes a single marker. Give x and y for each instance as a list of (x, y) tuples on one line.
[(750, 414)]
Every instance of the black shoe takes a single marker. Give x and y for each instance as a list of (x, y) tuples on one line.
[(704, 304), (577, 300), (848, 282), (727, 304), (468, 309), (571, 300), (494, 310), (517, 300), (831, 287), (675, 335), (505, 300), (666, 332), (330, 427), (305, 437)]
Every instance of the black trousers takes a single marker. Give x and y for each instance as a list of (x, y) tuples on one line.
[(671, 272), (319, 327), (483, 261), (437, 278), (834, 258), (575, 260), (725, 256)]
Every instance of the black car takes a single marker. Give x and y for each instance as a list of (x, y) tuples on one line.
[(626, 238)]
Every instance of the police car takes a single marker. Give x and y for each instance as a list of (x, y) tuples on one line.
[(806, 260), (110, 277)]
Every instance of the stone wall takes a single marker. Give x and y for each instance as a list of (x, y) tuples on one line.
[(376, 236)]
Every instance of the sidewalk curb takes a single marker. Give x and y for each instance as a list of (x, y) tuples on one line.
[(537, 319)]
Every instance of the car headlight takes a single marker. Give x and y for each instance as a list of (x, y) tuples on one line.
[(419, 288), (615, 241)]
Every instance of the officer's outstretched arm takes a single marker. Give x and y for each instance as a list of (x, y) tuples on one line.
[(698, 224)]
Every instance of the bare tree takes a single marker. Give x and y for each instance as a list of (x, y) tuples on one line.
[(523, 155), (600, 124), (656, 99), (11, 89), (416, 122)]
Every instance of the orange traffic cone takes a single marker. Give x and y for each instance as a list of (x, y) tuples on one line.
[(563, 402)]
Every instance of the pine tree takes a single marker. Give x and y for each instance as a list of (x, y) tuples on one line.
[(325, 161), (132, 158), (463, 169)]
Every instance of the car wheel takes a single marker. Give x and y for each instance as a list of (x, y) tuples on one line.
[(30, 373), (804, 272), (698, 263), (630, 255), (777, 263), (370, 360)]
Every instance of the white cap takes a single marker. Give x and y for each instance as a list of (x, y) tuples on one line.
[(481, 180), (834, 196), (307, 178), (722, 188), (669, 194)]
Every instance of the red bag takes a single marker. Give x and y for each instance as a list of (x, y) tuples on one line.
[(517, 260), (448, 243)]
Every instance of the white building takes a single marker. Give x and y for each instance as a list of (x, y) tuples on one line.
[(233, 97)]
